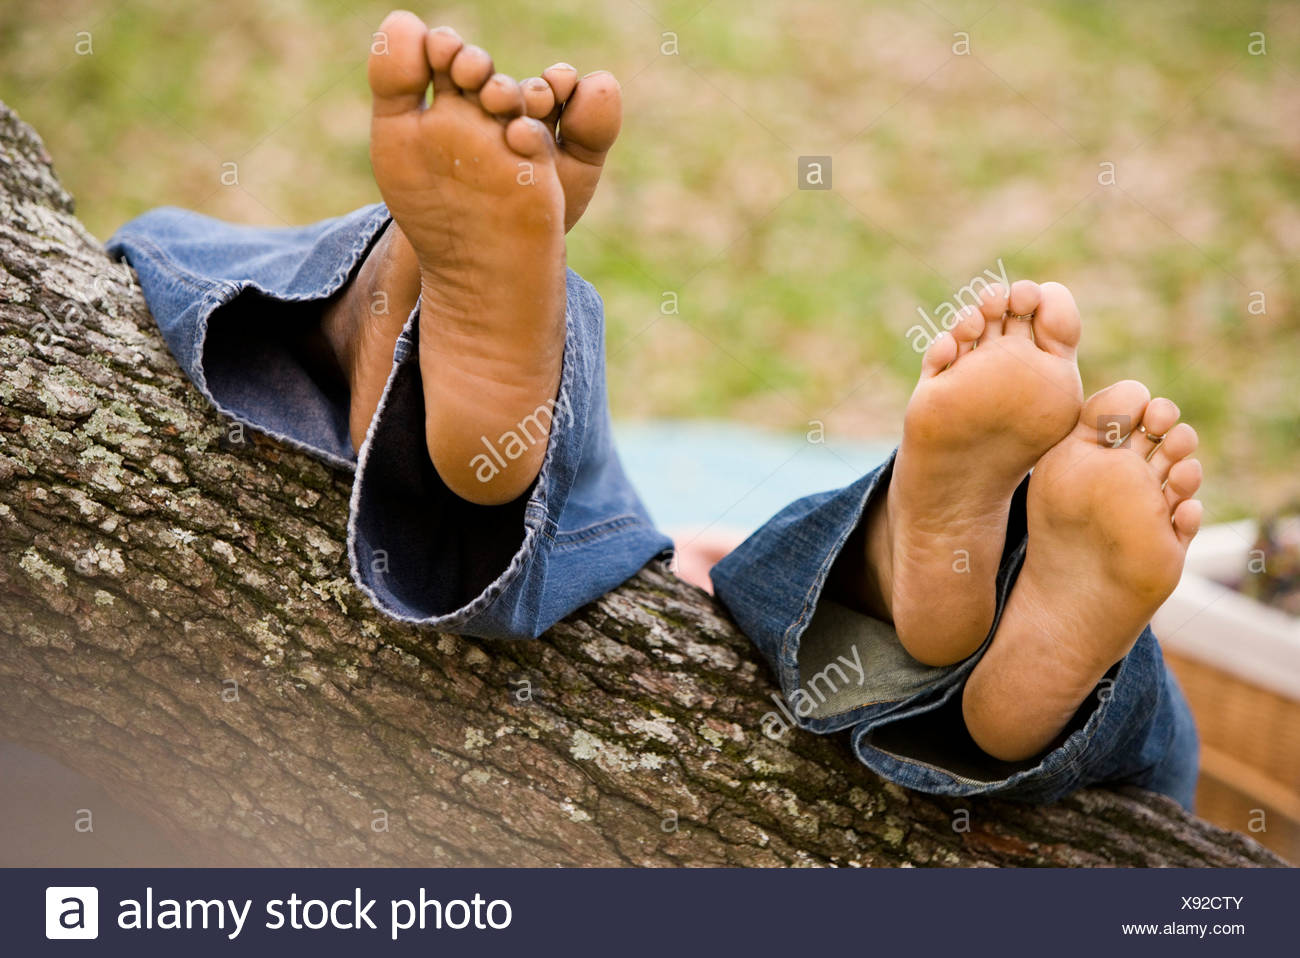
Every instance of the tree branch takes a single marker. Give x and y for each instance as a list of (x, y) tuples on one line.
[(179, 624)]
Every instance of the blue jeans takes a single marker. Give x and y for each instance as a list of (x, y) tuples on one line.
[(234, 304)]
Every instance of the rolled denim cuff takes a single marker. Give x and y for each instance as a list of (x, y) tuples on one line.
[(426, 556), (839, 668), (233, 302), (836, 666), (1134, 729)]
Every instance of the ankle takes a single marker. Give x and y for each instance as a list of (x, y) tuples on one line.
[(862, 575), (386, 284), (878, 576)]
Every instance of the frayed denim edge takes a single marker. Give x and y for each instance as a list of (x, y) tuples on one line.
[(535, 512), (224, 292), (796, 629)]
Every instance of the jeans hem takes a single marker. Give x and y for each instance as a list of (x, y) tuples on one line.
[(1057, 772), (537, 511), (223, 292)]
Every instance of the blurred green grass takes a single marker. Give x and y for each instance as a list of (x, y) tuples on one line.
[(792, 305)]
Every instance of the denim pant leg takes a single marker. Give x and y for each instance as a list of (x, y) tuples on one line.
[(425, 556), (840, 668), (234, 303)]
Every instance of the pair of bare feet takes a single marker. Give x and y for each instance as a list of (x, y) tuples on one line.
[(484, 180), (1110, 516)]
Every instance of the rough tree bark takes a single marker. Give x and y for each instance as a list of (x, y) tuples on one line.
[(148, 558)]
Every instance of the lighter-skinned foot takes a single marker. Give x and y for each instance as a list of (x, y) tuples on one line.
[(1111, 515), (995, 393)]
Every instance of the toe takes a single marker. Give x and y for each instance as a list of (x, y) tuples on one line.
[(1024, 298), (1056, 321), (502, 96), (1160, 416), (1179, 443), (940, 353), (441, 45), (588, 123), (470, 68), (1111, 415), (592, 117), (970, 324), (539, 98), (993, 304), (562, 79), (528, 137), (1187, 520), (398, 69), (1183, 482)]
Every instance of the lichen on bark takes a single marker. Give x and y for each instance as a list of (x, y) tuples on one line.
[(178, 623)]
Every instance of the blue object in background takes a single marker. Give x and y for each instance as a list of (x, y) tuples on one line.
[(727, 477)]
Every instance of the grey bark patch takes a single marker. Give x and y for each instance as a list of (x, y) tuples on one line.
[(144, 566)]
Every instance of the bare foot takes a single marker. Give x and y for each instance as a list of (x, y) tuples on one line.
[(695, 553), (363, 324), (479, 211), (995, 393), (1108, 532)]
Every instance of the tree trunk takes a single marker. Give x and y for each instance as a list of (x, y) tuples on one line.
[(178, 623)]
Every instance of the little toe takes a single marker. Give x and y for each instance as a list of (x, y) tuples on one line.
[(1056, 321), (938, 355), (470, 68), (993, 304), (501, 96), (1187, 520), (1024, 298), (1179, 443), (397, 69), (1113, 413), (1183, 482), (528, 136), (539, 98), (440, 47)]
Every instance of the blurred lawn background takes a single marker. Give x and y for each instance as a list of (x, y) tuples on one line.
[(793, 305)]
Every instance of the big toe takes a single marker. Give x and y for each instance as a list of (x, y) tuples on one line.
[(592, 117), (398, 69), (1112, 414), (1056, 321)]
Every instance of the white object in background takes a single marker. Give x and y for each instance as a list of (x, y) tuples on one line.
[(1212, 623)]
